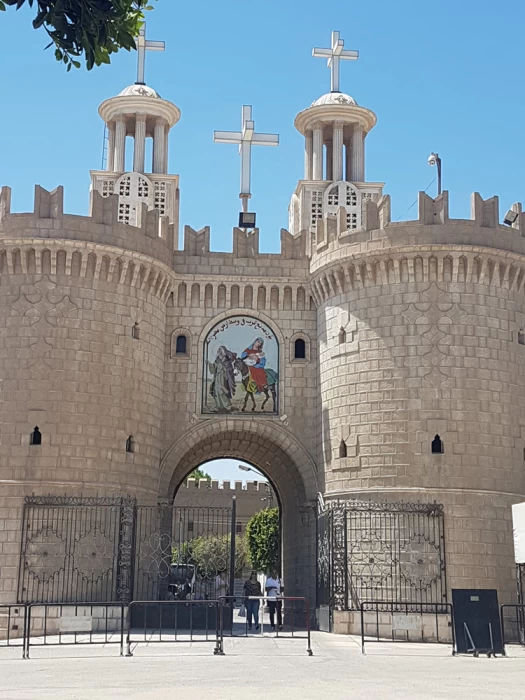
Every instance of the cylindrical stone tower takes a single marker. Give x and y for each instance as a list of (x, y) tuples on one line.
[(422, 387)]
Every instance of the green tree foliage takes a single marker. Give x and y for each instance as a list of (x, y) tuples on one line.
[(88, 29), (212, 554), (199, 474), (262, 534)]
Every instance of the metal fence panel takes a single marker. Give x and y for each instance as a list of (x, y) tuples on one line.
[(388, 552), (73, 549)]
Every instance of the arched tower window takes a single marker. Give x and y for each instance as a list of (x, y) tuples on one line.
[(300, 349), (342, 449), (341, 194), (133, 190), (35, 437), (130, 444), (181, 345), (342, 336), (437, 446), (135, 331)]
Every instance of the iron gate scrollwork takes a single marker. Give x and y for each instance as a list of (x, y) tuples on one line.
[(91, 549), (76, 549), (175, 543), (393, 553)]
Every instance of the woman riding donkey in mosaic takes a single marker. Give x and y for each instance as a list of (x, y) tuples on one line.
[(256, 378)]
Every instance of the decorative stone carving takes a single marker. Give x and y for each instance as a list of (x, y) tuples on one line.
[(431, 320), (44, 305)]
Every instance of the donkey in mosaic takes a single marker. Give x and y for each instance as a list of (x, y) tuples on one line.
[(250, 386)]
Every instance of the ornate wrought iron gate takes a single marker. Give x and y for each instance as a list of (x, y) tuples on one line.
[(389, 553), (197, 544), (77, 549)]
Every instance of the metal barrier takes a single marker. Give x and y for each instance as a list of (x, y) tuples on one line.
[(402, 618), (513, 628), (169, 621), (10, 615), (97, 623), (292, 618)]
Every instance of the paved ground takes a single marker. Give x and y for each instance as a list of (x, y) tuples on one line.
[(260, 667)]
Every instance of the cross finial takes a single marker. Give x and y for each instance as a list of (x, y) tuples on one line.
[(246, 138), (144, 45), (334, 56)]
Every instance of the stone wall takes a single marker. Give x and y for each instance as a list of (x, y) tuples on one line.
[(250, 497)]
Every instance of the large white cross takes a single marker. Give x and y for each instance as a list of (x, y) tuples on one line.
[(144, 45), (246, 139), (334, 56)]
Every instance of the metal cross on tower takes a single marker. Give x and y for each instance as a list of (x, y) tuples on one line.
[(144, 45), (246, 139), (334, 55)]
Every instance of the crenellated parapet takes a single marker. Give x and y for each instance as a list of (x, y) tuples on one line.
[(433, 247), (245, 244), (250, 487), (154, 236), (47, 241)]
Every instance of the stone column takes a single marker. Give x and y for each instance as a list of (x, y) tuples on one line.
[(308, 147), (120, 145), (140, 143), (110, 160), (337, 152), (159, 149), (358, 154), (166, 151), (317, 160)]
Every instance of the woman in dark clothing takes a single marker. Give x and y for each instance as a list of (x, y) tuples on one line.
[(252, 587)]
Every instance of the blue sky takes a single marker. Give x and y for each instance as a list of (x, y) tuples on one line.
[(441, 76)]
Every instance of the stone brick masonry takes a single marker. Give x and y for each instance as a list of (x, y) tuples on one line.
[(411, 331)]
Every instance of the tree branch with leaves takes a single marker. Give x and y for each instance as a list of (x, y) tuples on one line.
[(91, 30)]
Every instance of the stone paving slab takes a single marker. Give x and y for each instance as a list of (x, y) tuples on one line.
[(261, 667)]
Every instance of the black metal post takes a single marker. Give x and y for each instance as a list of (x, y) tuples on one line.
[(438, 164), (232, 550)]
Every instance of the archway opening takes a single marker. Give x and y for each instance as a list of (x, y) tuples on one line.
[(267, 447), (228, 529)]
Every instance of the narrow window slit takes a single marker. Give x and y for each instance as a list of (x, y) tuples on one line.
[(36, 437), (437, 446)]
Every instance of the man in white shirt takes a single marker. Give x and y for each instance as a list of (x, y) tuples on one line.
[(273, 591)]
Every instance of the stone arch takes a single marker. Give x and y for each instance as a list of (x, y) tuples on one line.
[(275, 451), (235, 295), (293, 355), (175, 345)]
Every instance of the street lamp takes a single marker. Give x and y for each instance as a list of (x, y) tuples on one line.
[(269, 493), (434, 159), (244, 468)]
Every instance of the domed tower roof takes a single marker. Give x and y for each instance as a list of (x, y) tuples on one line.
[(334, 98), (334, 128), (139, 89), (138, 113)]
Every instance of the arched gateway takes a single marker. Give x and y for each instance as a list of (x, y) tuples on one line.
[(280, 456), (331, 366)]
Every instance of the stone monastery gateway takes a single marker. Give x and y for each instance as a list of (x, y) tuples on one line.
[(374, 371)]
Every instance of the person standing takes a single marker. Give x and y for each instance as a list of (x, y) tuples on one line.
[(252, 587), (273, 591), (221, 586)]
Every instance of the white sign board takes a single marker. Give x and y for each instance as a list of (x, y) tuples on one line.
[(78, 623), (518, 527), (400, 621)]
